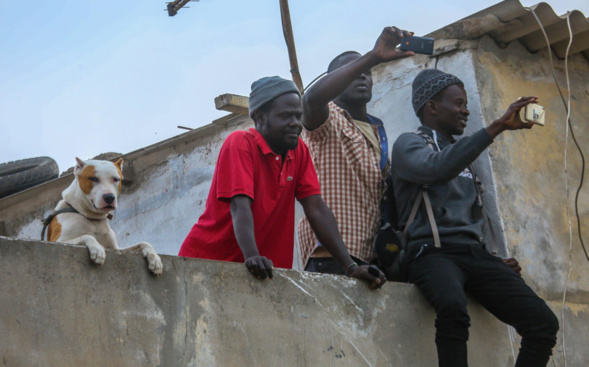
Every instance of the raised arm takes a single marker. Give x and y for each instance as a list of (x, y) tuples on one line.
[(323, 223), (243, 226), (414, 161), (315, 100), (510, 119)]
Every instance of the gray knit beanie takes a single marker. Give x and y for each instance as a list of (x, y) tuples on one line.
[(267, 88), (428, 83)]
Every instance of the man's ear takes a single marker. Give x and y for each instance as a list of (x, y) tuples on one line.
[(431, 107), (259, 118)]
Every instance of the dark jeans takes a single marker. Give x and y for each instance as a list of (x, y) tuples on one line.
[(328, 265), (444, 274)]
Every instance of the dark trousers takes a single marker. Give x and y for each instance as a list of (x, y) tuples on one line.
[(444, 274), (328, 265)]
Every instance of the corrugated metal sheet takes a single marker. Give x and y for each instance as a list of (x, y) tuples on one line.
[(509, 20)]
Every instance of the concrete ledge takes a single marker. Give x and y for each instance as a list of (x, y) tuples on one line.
[(57, 309)]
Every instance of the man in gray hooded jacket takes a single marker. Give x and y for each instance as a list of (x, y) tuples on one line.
[(433, 160)]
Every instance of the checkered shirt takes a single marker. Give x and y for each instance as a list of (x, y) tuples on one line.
[(352, 184)]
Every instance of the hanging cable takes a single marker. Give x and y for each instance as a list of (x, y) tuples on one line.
[(314, 80), (569, 127), (571, 130), (566, 283)]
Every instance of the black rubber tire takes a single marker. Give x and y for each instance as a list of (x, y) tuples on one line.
[(20, 175)]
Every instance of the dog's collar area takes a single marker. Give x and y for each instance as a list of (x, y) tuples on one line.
[(108, 216), (68, 209)]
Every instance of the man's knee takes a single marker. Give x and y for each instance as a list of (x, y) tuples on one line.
[(543, 324), (548, 324), (452, 319), (450, 306)]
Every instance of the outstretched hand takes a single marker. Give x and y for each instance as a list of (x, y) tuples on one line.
[(260, 266), (386, 45), (370, 274), (511, 119)]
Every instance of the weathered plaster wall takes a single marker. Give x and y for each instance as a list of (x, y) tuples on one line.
[(57, 309), (529, 165), (530, 171)]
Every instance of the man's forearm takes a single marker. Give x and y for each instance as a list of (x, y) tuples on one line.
[(333, 84), (243, 226), (415, 162), (324, 225)]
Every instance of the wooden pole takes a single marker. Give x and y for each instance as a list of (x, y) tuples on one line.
[(290, 44), (176, 5)]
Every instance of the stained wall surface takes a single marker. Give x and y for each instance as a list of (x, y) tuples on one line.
[(57, 309)]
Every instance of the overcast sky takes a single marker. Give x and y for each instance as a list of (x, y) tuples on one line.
[(80, 78)]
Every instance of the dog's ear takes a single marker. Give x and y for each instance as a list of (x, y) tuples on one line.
[(79, 165), (119, 163)]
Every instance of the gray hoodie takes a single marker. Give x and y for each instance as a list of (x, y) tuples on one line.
[(451, 186)]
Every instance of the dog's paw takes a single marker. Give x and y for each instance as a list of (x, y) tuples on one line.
[(155, 264), (97, 254)]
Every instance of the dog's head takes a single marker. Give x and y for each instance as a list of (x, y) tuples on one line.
[(100, 182)]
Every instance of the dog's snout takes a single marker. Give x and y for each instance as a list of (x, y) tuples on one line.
[(108, 198)]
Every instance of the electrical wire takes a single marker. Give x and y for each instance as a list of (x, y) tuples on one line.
[(566, 283), (511, 332), (571, 130), (313, 81), (569, 127)]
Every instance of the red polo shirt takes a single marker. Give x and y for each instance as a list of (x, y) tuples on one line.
[(247, 166)]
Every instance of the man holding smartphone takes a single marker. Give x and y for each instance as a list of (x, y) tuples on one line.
[(431, 159), (349, 148)]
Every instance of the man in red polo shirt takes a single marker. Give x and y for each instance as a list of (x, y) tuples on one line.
[(249, 214)]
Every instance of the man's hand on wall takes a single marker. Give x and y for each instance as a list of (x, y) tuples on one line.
[(260, 266), (370, 274)]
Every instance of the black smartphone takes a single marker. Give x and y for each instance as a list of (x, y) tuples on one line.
[(419, 45)]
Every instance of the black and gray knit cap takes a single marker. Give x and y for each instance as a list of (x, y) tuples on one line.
[(267, 88), (428, 83)]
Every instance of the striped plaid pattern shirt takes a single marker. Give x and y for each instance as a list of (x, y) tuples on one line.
[(352, 184)]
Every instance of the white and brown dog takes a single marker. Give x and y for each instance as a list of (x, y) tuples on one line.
[(80, 218)]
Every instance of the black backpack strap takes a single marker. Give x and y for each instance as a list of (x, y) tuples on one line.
[(430, 214), (429, 141)]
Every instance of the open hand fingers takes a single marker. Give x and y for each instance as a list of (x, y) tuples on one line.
[(398, 33), (523, 101), (269, 267)]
